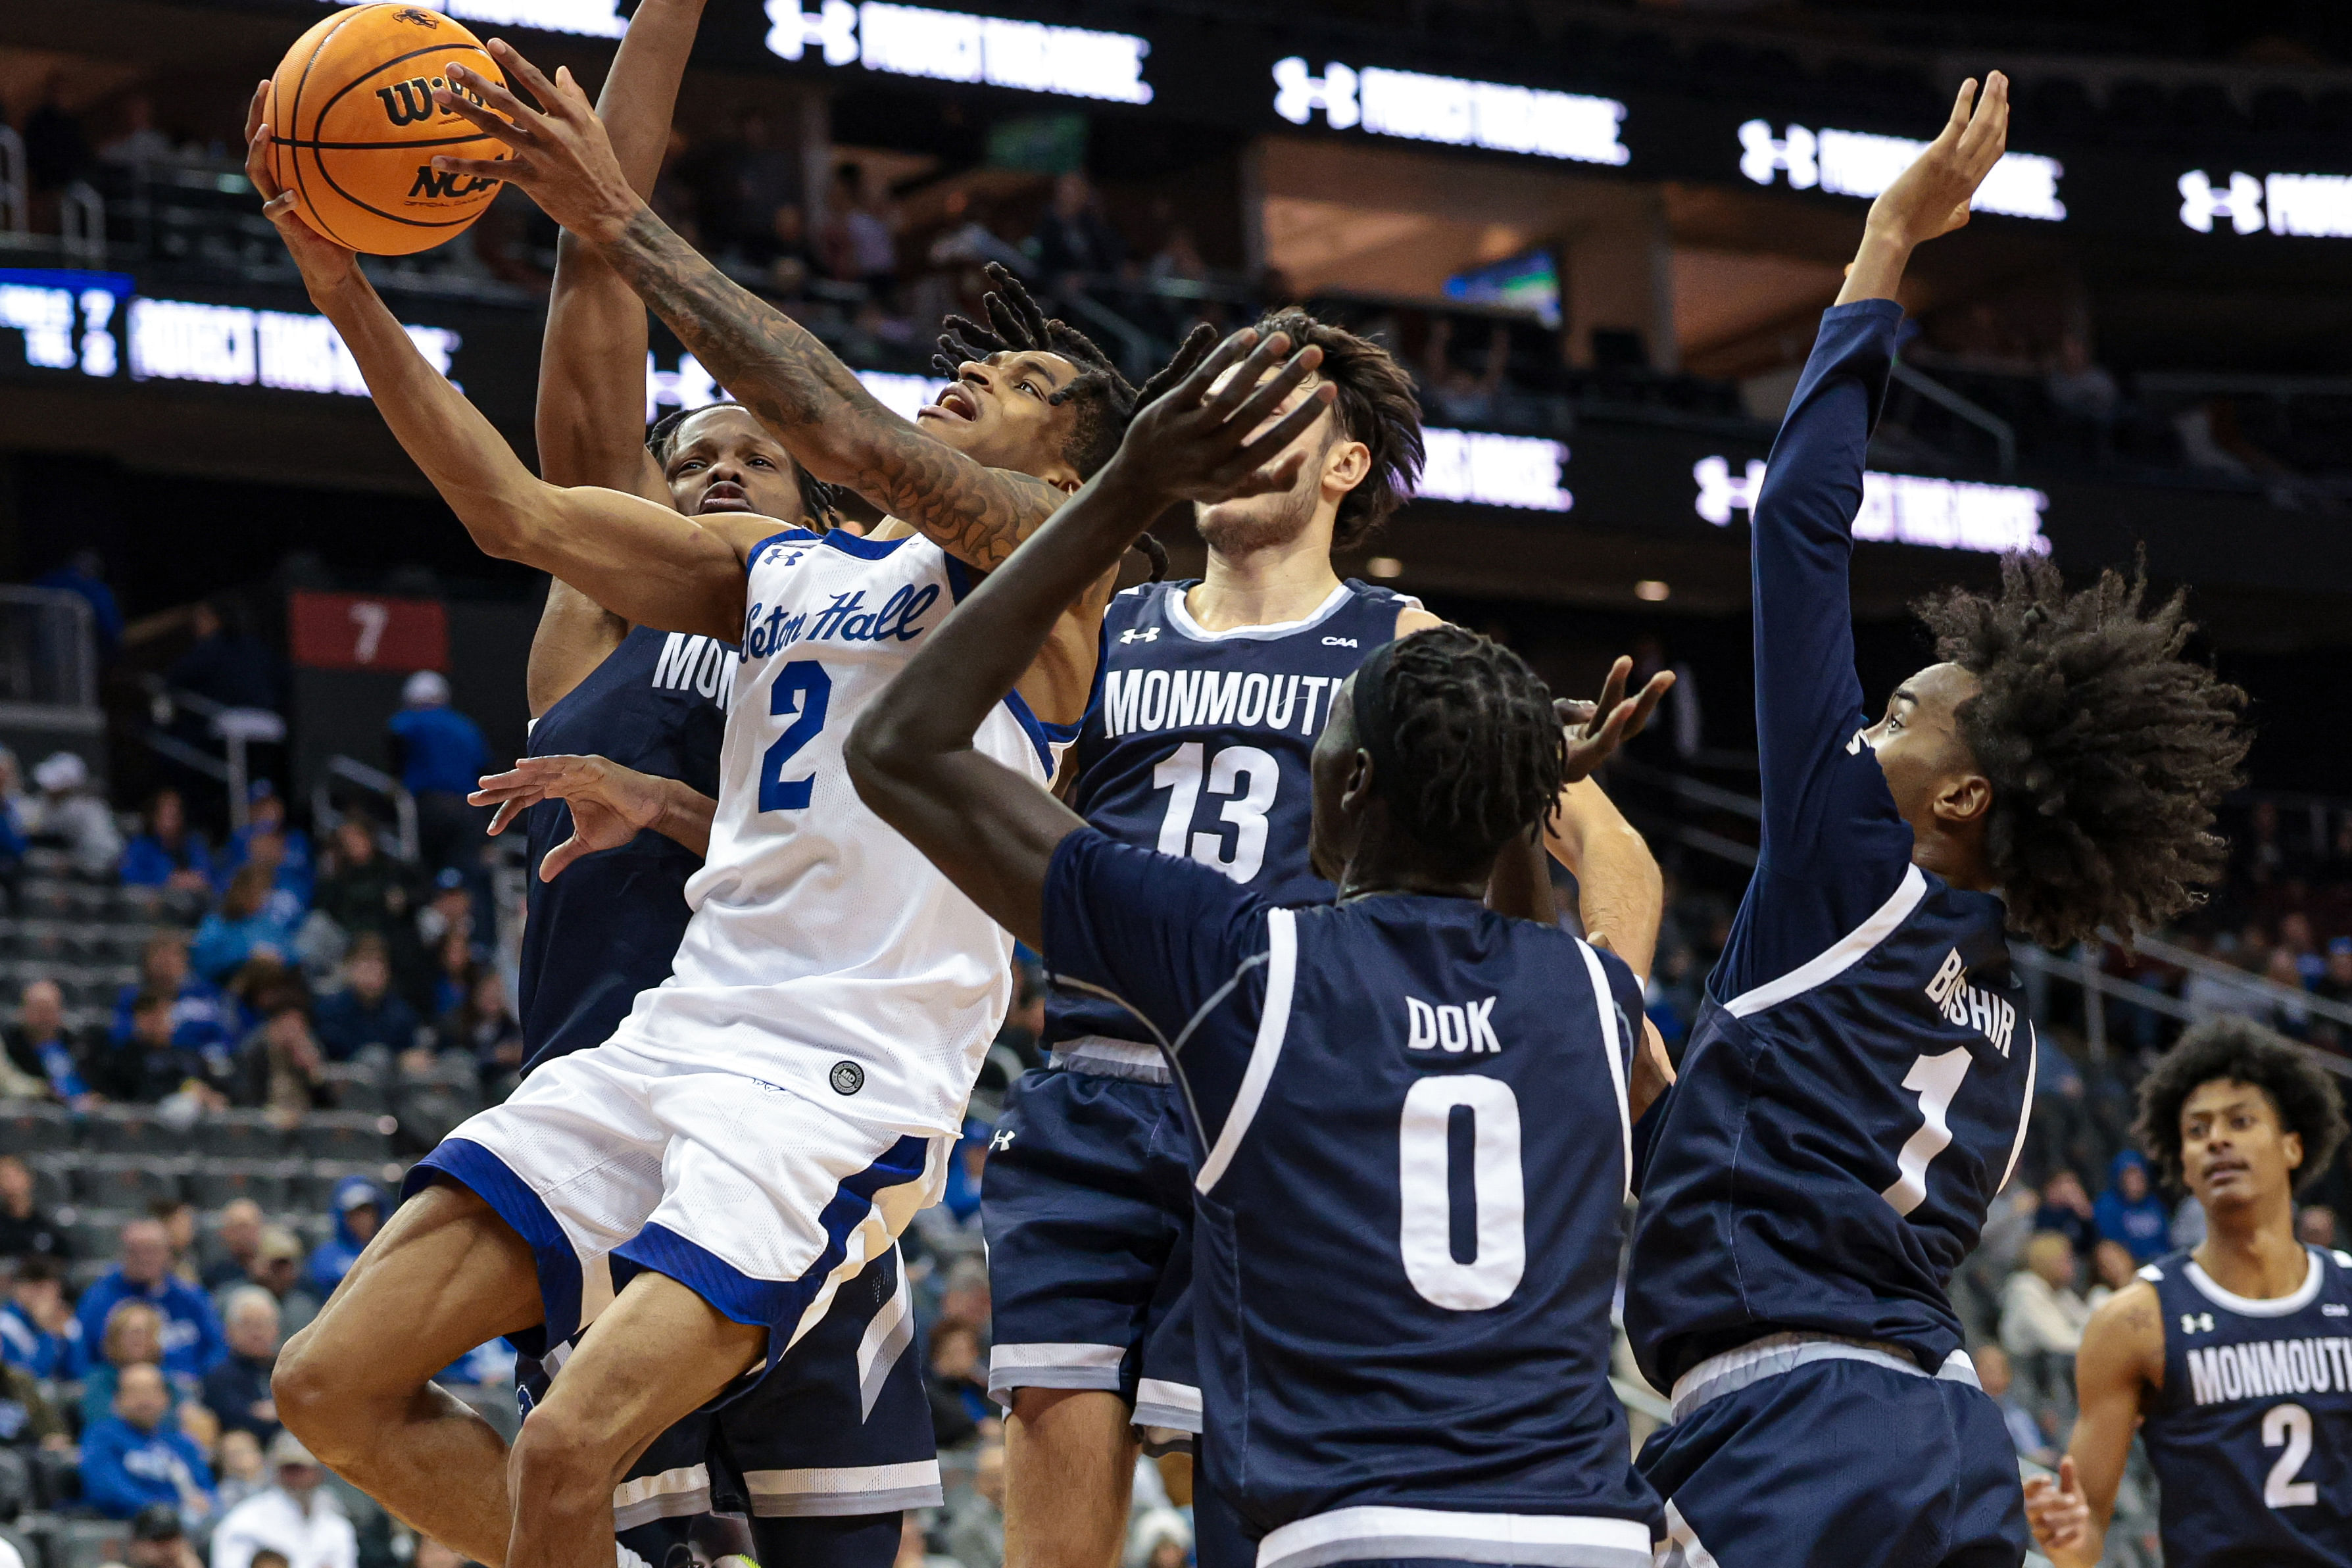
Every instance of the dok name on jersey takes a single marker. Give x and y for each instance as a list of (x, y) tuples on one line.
[(1449, 1027), (846, 619), (1137, 701)]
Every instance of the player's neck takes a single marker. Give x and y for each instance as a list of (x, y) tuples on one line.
[(2251, 1251), (1264, 587), (1386, 864)]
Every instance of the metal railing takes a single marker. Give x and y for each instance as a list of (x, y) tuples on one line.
[(324, 817), (48, 649), (16, 193), (2001, 432), (236, 729), (81, 224)]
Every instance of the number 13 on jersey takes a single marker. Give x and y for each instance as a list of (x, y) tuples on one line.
[(802, 691)]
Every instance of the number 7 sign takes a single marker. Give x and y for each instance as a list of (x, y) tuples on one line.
[(367, 631)]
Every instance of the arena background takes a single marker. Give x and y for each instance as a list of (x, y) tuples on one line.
[(1599, 231)]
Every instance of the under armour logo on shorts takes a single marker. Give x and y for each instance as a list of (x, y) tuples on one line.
[(848, 1078)]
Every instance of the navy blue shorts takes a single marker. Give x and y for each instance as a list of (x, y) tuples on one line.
[(1088, 1211), (839, 1427), (1839, 1464)]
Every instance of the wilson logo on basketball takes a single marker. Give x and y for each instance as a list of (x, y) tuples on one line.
[(406, 102), (416, 18)]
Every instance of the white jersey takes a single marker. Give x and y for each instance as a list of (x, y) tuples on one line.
[(826, 954)]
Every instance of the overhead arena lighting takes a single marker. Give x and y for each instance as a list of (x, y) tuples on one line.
[(588, 18), (1460, 113), (2300, 207), (1901, 508), (951, 46), (1859, 164)]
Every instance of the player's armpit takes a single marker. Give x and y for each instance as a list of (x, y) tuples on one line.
[(575, 635), (637, 558)]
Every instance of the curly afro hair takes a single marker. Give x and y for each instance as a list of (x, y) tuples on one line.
[(2107, 752), (1479, 750), (2234, 1050)]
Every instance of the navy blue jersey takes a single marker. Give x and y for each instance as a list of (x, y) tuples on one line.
[(1415, 1153), (1197, 741), (1855, 1092), (608, 927), (2251, 1433)]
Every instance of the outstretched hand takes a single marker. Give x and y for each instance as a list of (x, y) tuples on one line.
[(610, 804), (2057, 1510), (1222, 431), (1931, 197), (1595, 730), (323, 263), (560, 153)]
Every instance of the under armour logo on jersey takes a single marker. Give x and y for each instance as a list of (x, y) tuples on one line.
[(1297, 95), (1000, 1141), (2201, 203), (1720, 494), (1140, 633), (1762, 155), (1861, 738), (1339, 642), (2196, 1322), (833, 28)]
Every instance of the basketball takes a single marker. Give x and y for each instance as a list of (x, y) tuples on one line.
[(356, 129)]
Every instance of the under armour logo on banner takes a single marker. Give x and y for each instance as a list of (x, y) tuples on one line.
[(833, 28), (1762, 155), (1720, 493), (2241, 204), (1298, 95)]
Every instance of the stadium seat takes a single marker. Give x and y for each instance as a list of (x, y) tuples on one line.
[(126, 1180), (56, 1477), (52, 1186), (16, 1484), (311, 1188), (359, 1089), (29, 1129), (97, 1234), (213, 1182), (346, 1135), (89, 1543), (246, 1135), (136, 1130), (45, 898), (51, 944)]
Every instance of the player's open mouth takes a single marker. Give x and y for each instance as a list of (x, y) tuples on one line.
[(956, 401), (725, 496)]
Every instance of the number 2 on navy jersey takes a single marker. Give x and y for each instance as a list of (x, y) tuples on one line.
[(802, 689), (1245, 774), (2289, 1424)]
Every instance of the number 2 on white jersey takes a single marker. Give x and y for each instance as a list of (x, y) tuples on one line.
[(1936, 1079), (2290, 1425), (1179, 774), (802, 689)]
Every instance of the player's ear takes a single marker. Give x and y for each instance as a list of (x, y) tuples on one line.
[(2291, 1144), (1346, 464), (1964, 798)]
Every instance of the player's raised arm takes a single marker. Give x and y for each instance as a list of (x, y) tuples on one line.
[(1808, 701), (639, 560), (992, 832), (795, 386)]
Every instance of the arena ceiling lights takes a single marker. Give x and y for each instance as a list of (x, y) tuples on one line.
[(2301, 206), (1860, 163), (951, 45), (1501, 118), (1901, 508)]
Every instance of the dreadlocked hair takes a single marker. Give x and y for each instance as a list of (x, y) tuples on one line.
[(1376, 406), (1103, 401), (2234, 1050), (1478, 750), (820, 502), (2107, 750)]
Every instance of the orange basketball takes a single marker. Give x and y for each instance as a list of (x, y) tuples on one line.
[(356, 130)]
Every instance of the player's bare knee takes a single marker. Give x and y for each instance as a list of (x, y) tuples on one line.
[(560, 1451)]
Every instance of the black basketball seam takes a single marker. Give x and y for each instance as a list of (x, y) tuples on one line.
[(302, 186), (383, 146), (316, 146)]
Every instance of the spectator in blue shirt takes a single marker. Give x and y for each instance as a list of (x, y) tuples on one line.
[(170, 854), (358, 1211), (441, 756), (86, 575), (2130, 1213), (367, 1011), (200, 1017), (193, 1341), (246, 926), (37, 1331), (135, 1456), (298, 872)]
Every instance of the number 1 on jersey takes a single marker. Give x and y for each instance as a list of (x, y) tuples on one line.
[(802, 689), (1936, 1079)]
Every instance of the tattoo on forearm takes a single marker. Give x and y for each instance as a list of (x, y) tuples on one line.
[(797, 387)]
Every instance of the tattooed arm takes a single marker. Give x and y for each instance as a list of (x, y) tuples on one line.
[(789, 380)]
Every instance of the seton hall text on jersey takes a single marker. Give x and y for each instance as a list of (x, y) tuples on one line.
[(1145, 699), (846, 619), (1965, 1004), (697, 664), (2265, 1369)]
